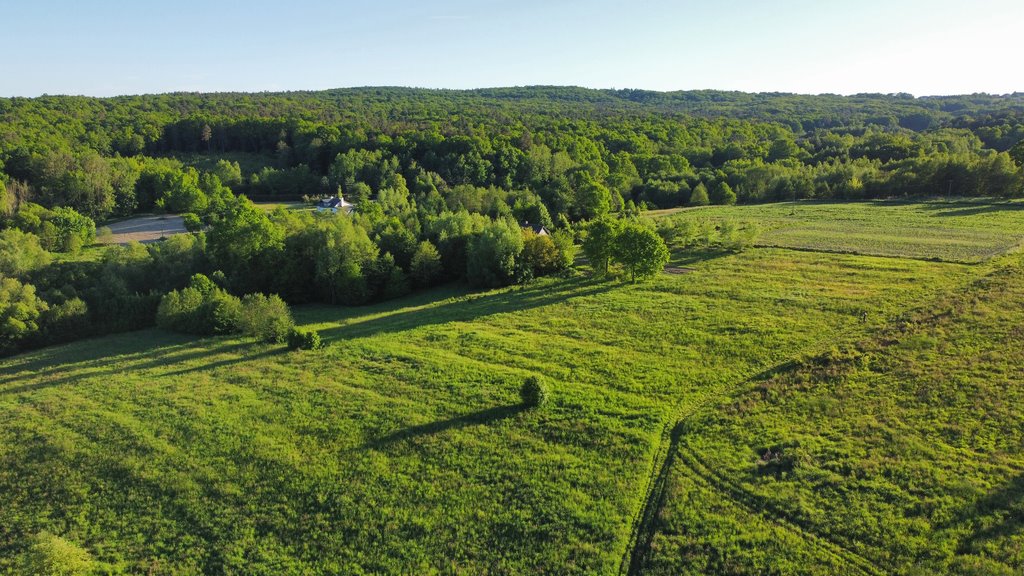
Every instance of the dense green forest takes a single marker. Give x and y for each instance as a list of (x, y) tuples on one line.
[(443, 183)]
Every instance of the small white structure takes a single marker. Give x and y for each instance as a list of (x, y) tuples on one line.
[(334, 204)]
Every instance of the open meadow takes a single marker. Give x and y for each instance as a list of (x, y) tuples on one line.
[(967, 232), (710, 421)]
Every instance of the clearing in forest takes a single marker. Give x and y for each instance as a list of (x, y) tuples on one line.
[(402, 446)]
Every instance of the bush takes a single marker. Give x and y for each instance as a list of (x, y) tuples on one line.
[(52, 555), (304, 340), (200, 308), (540, 255), (191, 222), (266, 318), (533, 393), (20, 253)]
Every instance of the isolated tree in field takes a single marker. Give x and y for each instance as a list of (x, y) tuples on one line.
[(533, 392), (598, 244), (266, 318), (723, 194), (699, 196), (640, 250), (304, 340)]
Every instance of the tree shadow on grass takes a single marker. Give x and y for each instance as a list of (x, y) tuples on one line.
[(952, 209), (1008, 499), (481, 417), (227, 361), (681, 257), (91, 351), (401, 317), (149, 357)]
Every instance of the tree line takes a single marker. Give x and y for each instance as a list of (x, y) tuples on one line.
[(449, 186)]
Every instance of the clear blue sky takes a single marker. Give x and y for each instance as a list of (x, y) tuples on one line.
[(110, 47)]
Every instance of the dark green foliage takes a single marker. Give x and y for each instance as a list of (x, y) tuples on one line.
[(304, 339), (534, 392), (723, 194), (540, 254), (425, 268), (598, 243)]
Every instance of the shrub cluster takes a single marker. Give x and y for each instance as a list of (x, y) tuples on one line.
[(304, 339), (534, 392), (204, 308)]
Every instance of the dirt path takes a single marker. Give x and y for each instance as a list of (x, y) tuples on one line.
[(143, 229)]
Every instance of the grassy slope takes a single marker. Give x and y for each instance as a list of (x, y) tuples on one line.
[(904, 449), (400, 448), (954, 232)]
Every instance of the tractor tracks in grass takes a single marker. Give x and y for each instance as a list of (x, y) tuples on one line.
[(753, 504), (672, 449)]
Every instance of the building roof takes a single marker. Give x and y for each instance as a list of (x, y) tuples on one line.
[(537, 228)]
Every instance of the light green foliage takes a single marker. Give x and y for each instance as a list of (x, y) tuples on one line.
[(200, 308), (182, 193), (699, 196), (20, 309), (20, 252), (901, 452), (191, 222), (59, 230), (51, 555), (640, 250), (266, 318), (342, 253), (492, 255), (240, 233), (228, 172)]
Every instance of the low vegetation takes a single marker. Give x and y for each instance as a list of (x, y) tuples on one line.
[(899, 453), (414, 406)]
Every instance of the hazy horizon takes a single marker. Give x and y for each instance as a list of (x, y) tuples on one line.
[(920, 47), (526, 86)]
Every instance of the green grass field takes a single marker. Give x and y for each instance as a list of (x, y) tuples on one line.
[(953, 232), (899, 454), (401, 448)]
